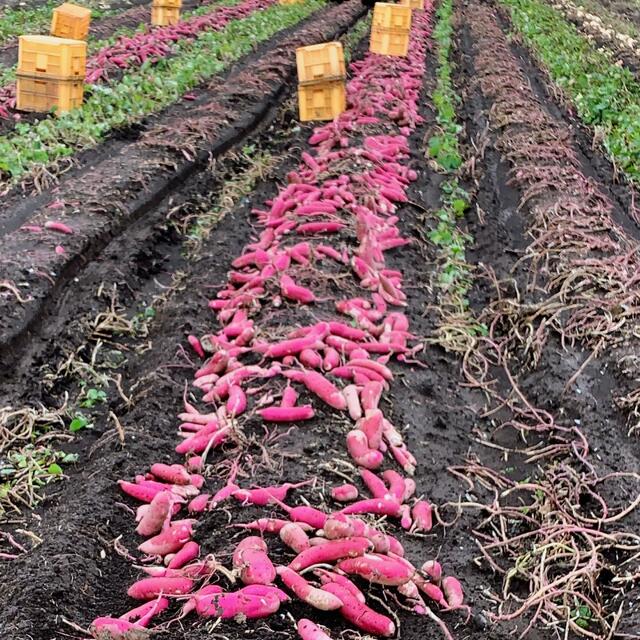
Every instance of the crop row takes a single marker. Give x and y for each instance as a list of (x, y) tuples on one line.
[(456, 327), (146, 90), (606, 96), (335, 220)]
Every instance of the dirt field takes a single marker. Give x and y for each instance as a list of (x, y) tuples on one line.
[(520, 434)]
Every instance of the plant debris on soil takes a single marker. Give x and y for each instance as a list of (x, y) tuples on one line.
[(454, 264)]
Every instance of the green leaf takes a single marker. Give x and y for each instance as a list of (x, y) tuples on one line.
[(54, 469), (78, 423)]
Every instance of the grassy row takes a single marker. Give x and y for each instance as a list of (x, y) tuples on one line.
[(142, 92), (354, 36), (454, 276), (606, 96)]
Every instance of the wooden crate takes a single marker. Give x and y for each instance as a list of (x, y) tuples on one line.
[(42, 94), (162, 16), (49, 56), (391, 16), (414, 4), (173, 4), (323, 100), (389, 42), (70, 21), (320, 62)]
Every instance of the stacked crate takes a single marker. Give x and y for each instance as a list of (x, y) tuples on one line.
[(70, 21), (414, 4), (165, 12), (390, 29), (321, 81), (50, 73)]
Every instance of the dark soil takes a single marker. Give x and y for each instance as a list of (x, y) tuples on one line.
[(76, 574), (81, 517), (500, 236)]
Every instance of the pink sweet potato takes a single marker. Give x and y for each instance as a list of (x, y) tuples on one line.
[(149, 588), (421, 513), (453, 592), (287, 414), (230, 605), (169, 541), (333, 550), (307, 630), (295, 537), (378, 569), (360, 615), (189, 552), (387, 506), (154, 516), (330, 576), (320, 386), (344, 493), (317, 598), (251, 559)]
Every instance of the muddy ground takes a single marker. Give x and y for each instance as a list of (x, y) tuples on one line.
[(76, 573), (81, 517)]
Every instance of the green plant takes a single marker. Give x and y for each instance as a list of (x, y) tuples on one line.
[(355, 35), (79, 422), (443, 147), (141, 320), (93, 397), (606, 96), (25, 472), (454, 272), (582, 616)]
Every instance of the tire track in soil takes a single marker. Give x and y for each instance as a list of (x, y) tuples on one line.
[(124, 179), (83, 519), (501, 237)]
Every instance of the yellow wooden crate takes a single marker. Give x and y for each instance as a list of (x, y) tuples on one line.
[(389, 42), (320, 62), (290, 1), (46, 55), (323, 100), (70, 21), (42, 94), (162, 16), (414, 4), (175, 4), (391, 16)]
